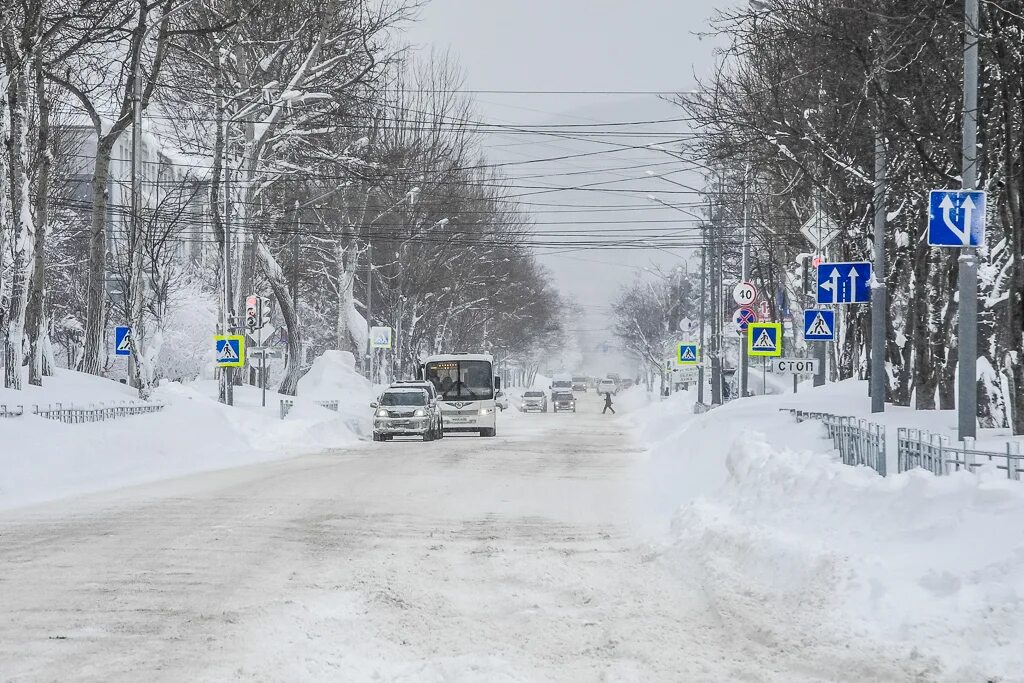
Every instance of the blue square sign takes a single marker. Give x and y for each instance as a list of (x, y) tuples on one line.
[(122, 340), (819, 325), (956, 218), (844, 283)]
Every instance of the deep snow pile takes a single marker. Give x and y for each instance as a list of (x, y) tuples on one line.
[(792, 548), (42, 459)]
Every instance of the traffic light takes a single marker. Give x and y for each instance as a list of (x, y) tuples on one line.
[(252, 313), (264, 309)]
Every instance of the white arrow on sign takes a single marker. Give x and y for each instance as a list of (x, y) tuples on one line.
[(832, 285), (947, 207)]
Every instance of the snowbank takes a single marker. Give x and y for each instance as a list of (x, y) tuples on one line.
[(789, 544), (44, 459)]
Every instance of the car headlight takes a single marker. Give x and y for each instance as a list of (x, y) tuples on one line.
[(485, 411), (382, 413), (419, 413)]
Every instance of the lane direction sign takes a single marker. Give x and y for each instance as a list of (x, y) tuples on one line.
[(956, 218), (743, 317), (795, 366), (230, 350), (844, 283), (819, 325), (688, 354), (122, 340), (745, 293), (764, 339)]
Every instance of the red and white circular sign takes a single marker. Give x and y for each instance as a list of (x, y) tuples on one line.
[(745, 293)]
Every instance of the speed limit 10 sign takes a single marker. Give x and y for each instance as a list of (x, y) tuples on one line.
[(745, 293)]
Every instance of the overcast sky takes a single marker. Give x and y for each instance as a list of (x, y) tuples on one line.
[(589, 45)]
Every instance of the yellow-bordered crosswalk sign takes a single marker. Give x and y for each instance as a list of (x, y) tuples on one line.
[(764, 339), (688, 354), (230, 350)]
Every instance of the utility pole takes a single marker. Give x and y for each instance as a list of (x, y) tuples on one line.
[(369, 304), (134, 302), (879, 293), (745, 273), (227, 374), (967, 390), (703, 291), (295, 270)]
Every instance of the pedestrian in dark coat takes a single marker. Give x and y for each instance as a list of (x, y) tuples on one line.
[(608, 403)]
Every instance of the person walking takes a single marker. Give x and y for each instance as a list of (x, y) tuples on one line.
[(608, 403)]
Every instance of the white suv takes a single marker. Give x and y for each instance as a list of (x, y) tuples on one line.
[(607, 386)]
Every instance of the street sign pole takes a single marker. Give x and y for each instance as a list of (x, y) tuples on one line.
[(744, 276), (878, 289), (967, 390), (703, 280)]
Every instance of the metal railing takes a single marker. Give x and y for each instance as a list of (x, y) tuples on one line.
[(858, 441), (701, 408), (917, 448), (288, 404), (72, 414)]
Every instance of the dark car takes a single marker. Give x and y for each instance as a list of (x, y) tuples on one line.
[(563, 403)]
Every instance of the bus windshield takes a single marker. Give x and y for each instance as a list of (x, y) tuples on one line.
[(463, 380)]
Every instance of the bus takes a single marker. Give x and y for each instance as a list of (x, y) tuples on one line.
[(466, 386)]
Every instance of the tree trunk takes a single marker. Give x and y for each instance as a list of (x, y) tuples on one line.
[(21, 271), (344, 259), (286, 304), (35, 316), (96, 293)]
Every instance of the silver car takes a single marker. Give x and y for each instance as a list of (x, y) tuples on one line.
[(405, 411), (534, 400)]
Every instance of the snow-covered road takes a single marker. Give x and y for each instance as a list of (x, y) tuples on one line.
[(468, 559)]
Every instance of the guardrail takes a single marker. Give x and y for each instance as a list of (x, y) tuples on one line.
[(858, 441), (72, 414), (940, 456), (288, 404)]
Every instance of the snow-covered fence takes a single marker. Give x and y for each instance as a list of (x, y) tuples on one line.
[(288, 404), (13, 411), (701, 408), (858, 441), (937, 454), (77, 414)]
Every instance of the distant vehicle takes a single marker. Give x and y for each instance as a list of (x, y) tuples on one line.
[(466, 388), (561, 383), (607, 386), (534, 400), (563, 402), (501, 400), (405, 411), (579, 384), (431, 391), (627, 383)]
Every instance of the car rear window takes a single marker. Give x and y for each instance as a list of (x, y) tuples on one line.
[(533, 394)]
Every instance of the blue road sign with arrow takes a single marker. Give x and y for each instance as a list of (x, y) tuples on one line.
[(956, 218), (819, 325), (844, 283), (122, 340)]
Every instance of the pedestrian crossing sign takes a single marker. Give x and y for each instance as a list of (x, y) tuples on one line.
[(819, 325), (230, 350), (764, 339), (122, 340), (688, 354)]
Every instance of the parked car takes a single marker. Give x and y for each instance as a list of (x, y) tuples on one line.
[(501, 400), (579, 384), (405, 411), (534, 400), (563, 403), (431, 391), (607, 386)]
